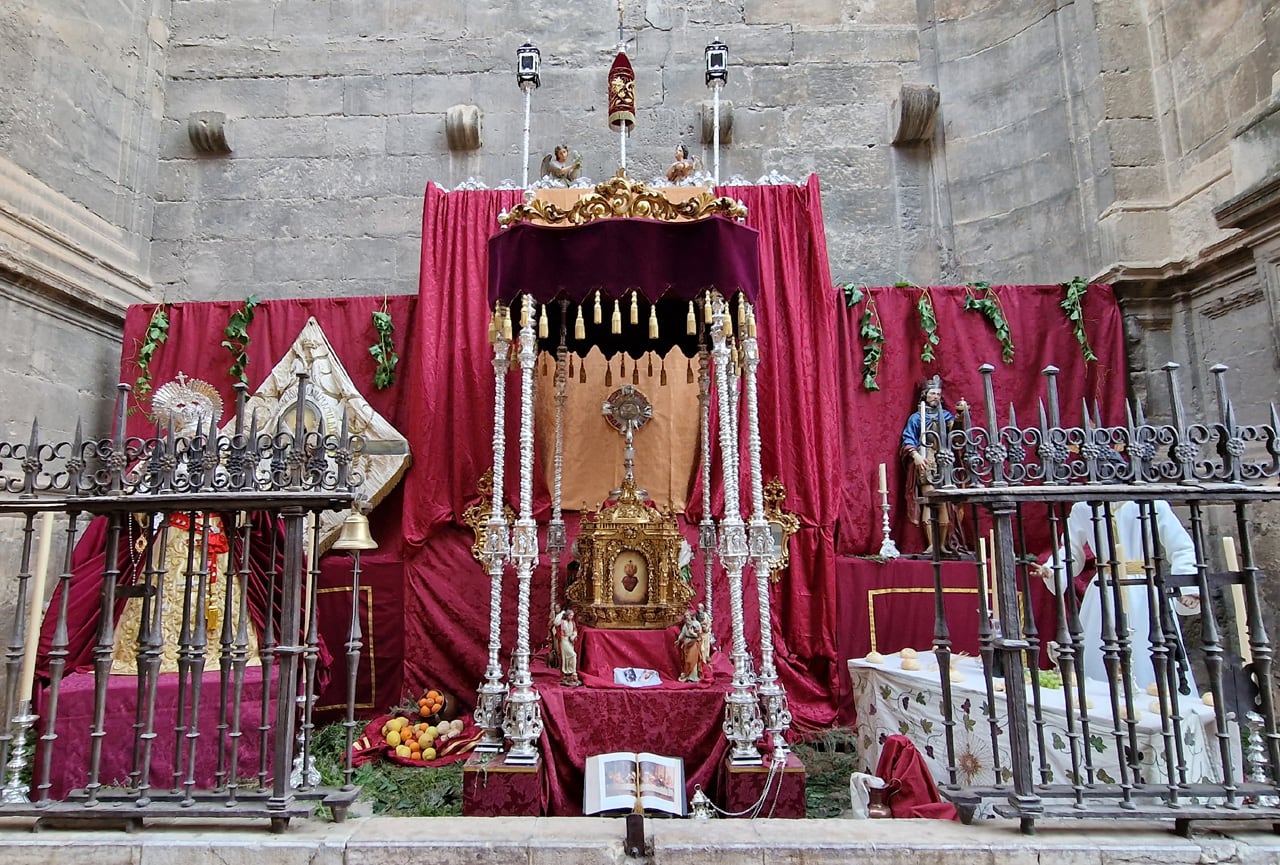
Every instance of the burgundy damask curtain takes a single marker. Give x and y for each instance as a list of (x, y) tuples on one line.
[(871, 422), (822, 434)]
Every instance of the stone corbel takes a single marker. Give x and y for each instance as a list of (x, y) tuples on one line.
[(207, 131), (707, 110), (916, 113), (462, 125)]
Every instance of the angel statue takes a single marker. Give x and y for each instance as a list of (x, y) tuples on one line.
[(560, 167)]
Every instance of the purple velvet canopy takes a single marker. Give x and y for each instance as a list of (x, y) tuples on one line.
[(668, 263), (671, 259)]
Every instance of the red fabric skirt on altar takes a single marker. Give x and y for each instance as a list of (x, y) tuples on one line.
[(675, 719), (69, 768)]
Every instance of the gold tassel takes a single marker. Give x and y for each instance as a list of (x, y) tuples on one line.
[(691, 322), (751, 323), (597, 312), (608, 375), (582, 371), (635, 374), (706, 308), (663, 378), (742, 313), (615, 323), (653, 322), (506, 323), (524, 313), (493, 327), (579, 327), (570, 366), (543, 328), (689, 374), (635, 307), (650, 357), (622, 366)]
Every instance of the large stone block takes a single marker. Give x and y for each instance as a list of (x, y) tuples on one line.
[(794, 12), (314, 96), (1129, 94), (379, 95), (862, 44)]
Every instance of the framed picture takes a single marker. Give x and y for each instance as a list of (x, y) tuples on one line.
[(629, 577)]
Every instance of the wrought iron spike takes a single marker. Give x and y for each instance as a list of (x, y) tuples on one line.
[(242, 391), (31, 465), (1051, 385)]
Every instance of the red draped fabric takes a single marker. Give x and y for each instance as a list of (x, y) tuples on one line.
[(871, 422), (822, 434)]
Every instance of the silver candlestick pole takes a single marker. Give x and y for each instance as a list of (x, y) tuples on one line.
[(1256, 758), (717, 73), (707, 527), (523, 718), (492, 693), (557, 541), (742, 724), (16, 788), (773, 697), (888, 549)]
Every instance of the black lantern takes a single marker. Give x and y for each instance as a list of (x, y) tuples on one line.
[(717, 63), (528, 61)]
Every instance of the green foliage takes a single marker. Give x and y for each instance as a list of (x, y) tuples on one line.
[(929, 324), (236, 338), (156, 335), (853, 294), (829, 759), (872, 332), (1072, 304), (393, 790), (980, 297), (384, 351)]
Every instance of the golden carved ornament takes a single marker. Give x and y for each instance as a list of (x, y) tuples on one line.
[(782, 525), (477, 516), (630, 567), (620, 196)]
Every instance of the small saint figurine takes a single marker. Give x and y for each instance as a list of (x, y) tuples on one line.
[(561, 167), (919, 452), (682, 167), (690, 643), (566, 630)]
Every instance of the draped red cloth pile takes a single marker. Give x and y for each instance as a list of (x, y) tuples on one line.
[(822, 434)]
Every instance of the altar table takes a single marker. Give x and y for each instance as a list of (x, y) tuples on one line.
[(69, 768), (886, 606), (893, 700)]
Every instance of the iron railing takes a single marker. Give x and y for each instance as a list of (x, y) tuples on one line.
[(161, 508)]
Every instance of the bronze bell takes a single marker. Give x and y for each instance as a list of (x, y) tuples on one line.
[(355, 534)]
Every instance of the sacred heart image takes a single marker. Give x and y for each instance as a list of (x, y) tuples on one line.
[(630, 578)]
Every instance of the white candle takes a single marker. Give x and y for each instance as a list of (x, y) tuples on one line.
[(35, 608), (982, 570), (1237, 598), (884, 484), (995, 575), (922, 426)]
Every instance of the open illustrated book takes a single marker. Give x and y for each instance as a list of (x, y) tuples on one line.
[(625, 781)]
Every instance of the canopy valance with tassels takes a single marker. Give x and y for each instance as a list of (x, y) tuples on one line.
[(628, 245)]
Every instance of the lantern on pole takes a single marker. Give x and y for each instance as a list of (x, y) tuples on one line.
[(528, 65), (717, 74)]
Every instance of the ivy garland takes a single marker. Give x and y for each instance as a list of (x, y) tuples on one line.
[(236, 340), (156, 335), (1076, 288), (988, 303), (384, 350), (869, 329), (928, 322)]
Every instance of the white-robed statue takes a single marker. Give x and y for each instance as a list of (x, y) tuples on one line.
[(565, 633), (1179, 557)]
